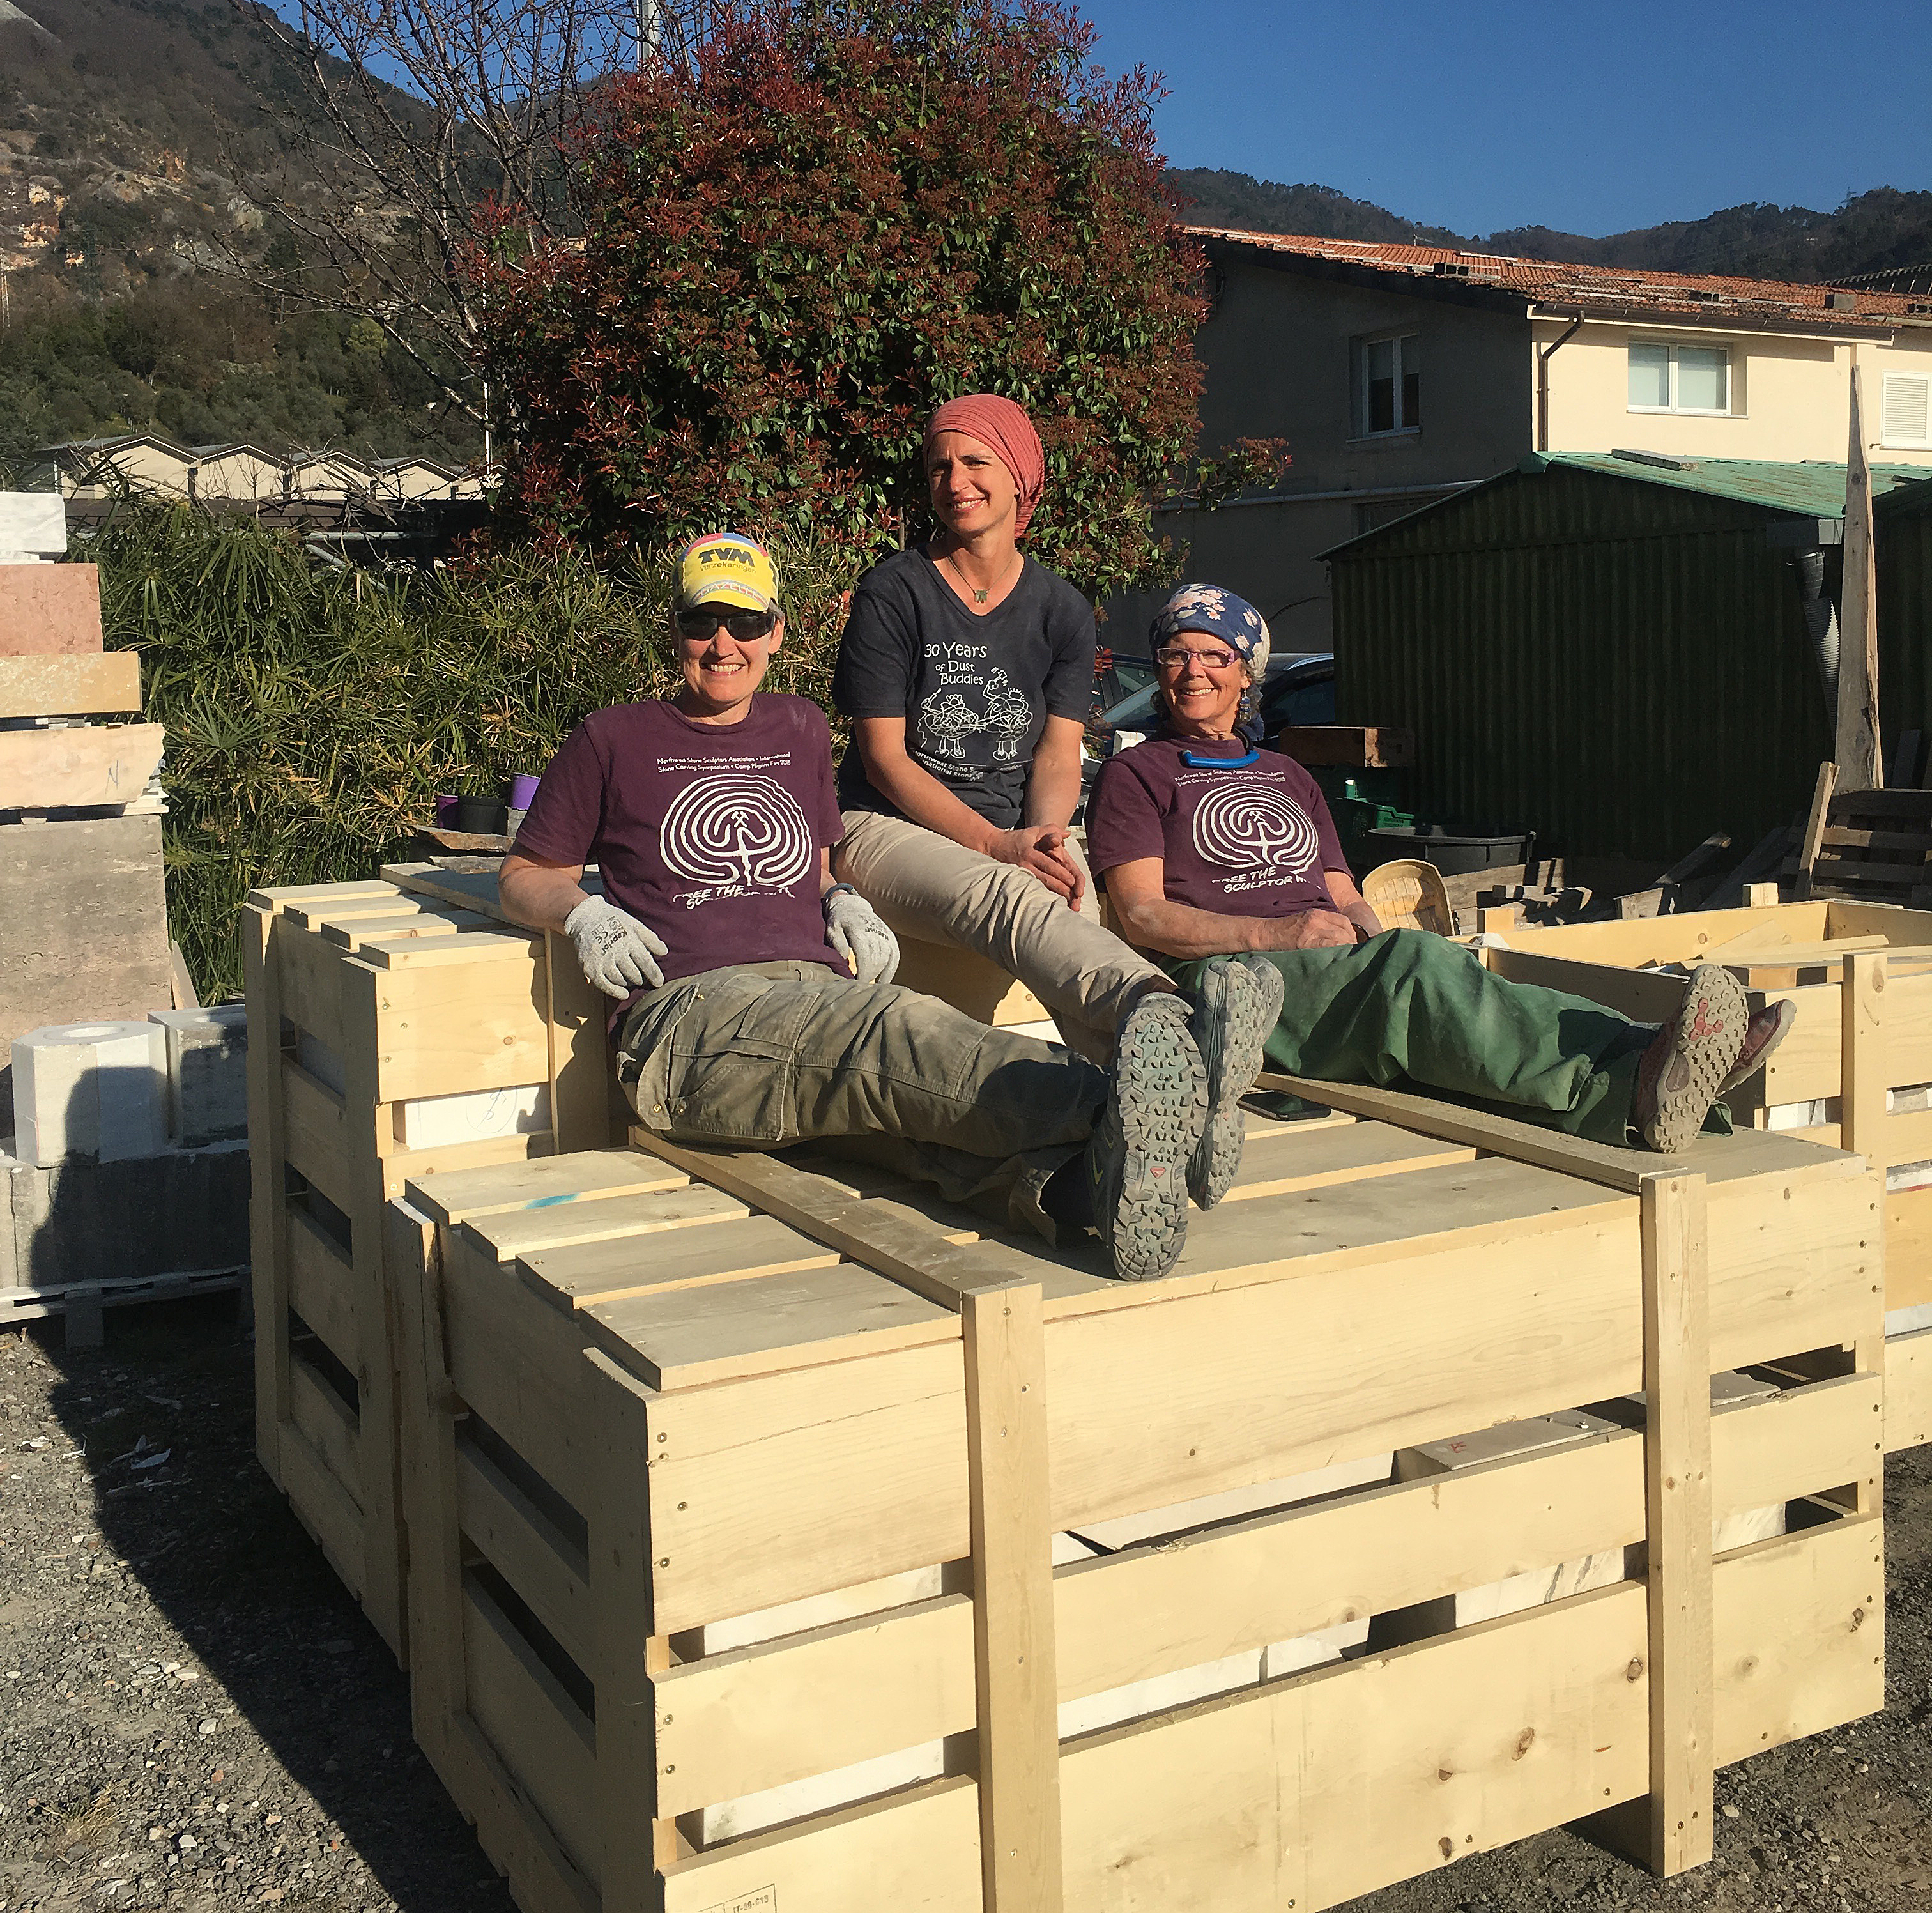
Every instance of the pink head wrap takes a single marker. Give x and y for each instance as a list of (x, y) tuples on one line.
[(1000, 423)]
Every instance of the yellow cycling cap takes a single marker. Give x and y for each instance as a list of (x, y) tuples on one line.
[(727, 568)]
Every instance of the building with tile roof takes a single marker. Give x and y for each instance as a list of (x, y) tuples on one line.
[(1401, 374)]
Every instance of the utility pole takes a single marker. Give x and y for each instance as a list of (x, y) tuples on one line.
[(650, 33)]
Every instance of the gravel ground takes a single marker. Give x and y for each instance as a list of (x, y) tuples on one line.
[(193, 1713)]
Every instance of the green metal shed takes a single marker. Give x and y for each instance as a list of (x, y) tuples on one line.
[(1611, 649)]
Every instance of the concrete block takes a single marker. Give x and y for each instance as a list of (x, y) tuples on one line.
[(33, 526), (1907, 1321), (98, 1090), (207, 1053), (435, 1122), (81, 1220), (49, 609)]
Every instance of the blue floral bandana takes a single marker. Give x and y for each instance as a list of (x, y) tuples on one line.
[(1220, 613)]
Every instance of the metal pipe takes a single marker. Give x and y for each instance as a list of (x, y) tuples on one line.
[(1544, 353), (1821, 620)]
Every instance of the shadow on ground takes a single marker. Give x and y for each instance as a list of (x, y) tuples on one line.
[(195, 1712)]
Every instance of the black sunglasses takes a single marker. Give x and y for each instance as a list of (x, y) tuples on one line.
[(744, 626)]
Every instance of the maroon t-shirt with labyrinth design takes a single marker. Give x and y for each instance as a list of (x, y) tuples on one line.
[(1251, 841), (708, 833)]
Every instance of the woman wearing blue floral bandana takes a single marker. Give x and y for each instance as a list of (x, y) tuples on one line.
[(1223, 864)]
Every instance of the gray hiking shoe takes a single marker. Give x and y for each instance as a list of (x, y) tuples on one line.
[(1686, 1065), (1236, 1007), (1137, 1160)]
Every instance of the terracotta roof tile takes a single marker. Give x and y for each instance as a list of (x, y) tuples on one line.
[(1706, 296)]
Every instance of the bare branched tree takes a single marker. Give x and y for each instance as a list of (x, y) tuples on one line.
[(414, 132)]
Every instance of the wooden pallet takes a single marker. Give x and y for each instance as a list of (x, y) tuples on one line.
[(365, 1003), (1860, 976), (649, 1411), (1877, 846)]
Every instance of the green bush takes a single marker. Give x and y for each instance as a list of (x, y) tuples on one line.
[(312, 715)]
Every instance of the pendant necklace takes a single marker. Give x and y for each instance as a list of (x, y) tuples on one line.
[(980, 597)]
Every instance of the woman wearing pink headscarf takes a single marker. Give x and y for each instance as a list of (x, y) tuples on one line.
[(968, 671)]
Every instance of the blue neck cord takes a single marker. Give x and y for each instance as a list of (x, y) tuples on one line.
[(1195, 762)]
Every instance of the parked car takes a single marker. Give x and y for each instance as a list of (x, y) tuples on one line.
[(1118, 674), (1298, 688)]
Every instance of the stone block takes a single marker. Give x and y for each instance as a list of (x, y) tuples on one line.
[(208, 1074), (33, 526), (49, 610), (97, 1090), (476, 1116), (83, 922), (82, 1220)]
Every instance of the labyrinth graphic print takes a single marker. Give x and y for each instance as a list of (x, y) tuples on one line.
[(1247, 842), (709, 834)]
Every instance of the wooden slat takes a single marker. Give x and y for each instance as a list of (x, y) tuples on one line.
[(1862, 1098), (352, 933), (504, 946), (1815, 820), (1639, 994), (579, 1054), (308, 982), (1677, 1494), (436, 1039), (513, 1232), (97, 764), (1799, 1635), (1686, 938), (267, 1235), (1018, 1738), (324, 1505), (80, 686), (539, 1733), (314, 1131), (1908, 1391), (322, 1290), (720, 1330), (1917, 841), (1908, 1246), (581, 1275), (326, 1424), (546, 1569), (549, 1181)]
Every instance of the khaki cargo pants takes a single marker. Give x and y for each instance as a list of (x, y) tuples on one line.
[(764, 1055), (934, 890)]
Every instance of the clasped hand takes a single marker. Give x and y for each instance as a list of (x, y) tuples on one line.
[(1041, 849)]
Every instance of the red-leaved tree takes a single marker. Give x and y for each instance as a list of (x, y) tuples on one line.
[(834, 215)]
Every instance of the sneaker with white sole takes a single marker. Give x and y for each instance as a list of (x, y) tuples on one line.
[(1137, 1160), (1236, 1004), (1685, 1069)]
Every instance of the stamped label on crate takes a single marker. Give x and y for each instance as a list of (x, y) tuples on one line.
[(760, 1900)]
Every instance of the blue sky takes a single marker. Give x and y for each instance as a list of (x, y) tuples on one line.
[(1592, 118)]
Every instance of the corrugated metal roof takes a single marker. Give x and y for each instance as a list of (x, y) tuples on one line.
[(1708, 297), (1800, 489)]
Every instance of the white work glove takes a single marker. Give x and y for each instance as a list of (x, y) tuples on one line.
[(858, 933), (619, 954)]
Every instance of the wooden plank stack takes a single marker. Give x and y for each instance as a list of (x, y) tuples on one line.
[(1853, 1073), (392, 1037), (733, 1503), (83, 913)]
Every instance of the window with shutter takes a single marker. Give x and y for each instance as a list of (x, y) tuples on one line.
[(1905, 411)]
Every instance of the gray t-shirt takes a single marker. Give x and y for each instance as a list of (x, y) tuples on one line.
[(975, 692)]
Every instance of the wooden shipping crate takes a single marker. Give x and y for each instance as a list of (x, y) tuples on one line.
[(1855, 1070), (732, 1503), (393, 1038)]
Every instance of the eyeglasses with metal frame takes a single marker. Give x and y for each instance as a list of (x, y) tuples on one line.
[(1215, 658)]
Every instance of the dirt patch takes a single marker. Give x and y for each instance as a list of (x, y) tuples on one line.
[(193, 1712)]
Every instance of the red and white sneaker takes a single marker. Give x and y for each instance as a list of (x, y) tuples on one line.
[(1685, 1067)]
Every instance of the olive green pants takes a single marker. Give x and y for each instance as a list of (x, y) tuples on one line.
[(1409, 1003), (764, 1055)]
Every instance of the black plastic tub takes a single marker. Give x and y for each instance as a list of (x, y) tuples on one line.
[(482, 816), (1454, 856)]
